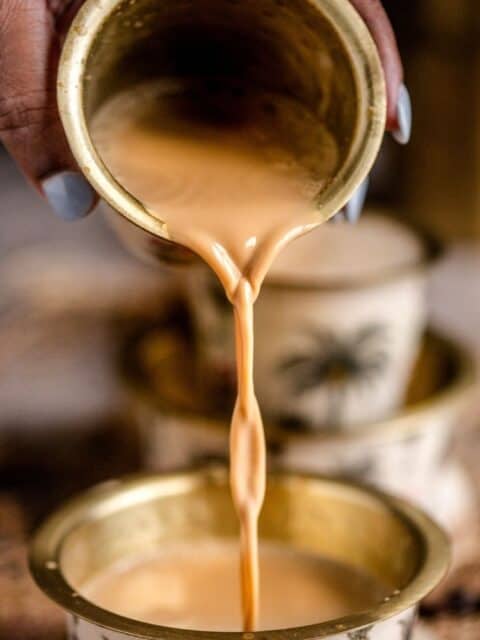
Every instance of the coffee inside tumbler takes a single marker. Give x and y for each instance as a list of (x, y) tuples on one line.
[(273, 69), (297, 72)]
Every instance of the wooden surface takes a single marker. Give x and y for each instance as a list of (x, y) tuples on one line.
[(33, 485)]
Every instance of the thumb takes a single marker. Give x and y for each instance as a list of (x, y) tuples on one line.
[(30, 126)]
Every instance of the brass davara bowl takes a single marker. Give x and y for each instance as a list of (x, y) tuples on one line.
[(381, 535)]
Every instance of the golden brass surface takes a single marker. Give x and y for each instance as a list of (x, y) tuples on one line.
[(317, 51), (385, 537)]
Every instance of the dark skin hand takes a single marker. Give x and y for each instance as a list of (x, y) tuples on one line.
[(377, 21), (31, 34)]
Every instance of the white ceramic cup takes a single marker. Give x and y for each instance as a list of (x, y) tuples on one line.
[(338, 324)]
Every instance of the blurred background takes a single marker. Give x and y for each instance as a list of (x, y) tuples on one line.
[(436, 179), (70, 295)]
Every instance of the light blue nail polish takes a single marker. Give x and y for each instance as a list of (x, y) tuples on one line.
[(404, 116), (354, 206), (69, 195)]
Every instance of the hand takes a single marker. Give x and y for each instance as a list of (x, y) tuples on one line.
[(30, 128), (31, 34), (399, 108), (399, 113)]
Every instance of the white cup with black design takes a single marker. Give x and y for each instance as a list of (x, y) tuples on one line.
[(338, 323)]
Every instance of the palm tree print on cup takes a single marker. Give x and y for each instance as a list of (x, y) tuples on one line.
[(72, 633), (361, 634), (218, 297), (407, 628), (341, 364), (213, 325), (360, 471)]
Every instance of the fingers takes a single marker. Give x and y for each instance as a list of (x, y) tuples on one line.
[(398, 100), (30, 127)]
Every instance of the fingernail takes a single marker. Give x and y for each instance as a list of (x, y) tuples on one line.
[(354, 206), (69, 195), (404, 117)]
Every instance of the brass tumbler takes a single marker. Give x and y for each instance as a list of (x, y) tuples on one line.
[(368, 531), (318, 52)]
